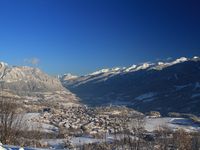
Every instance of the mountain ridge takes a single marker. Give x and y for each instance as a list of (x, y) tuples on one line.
[(28, 84), (154, 86), (117, 70)]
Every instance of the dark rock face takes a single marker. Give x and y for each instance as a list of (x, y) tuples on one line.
[(165, 87)]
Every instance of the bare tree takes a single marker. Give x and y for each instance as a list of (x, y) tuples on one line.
[(195, 141), (137, 128), (10, 121), (163, 138), (182, 140)]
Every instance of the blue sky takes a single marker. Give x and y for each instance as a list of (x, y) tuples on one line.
[(81, 36)]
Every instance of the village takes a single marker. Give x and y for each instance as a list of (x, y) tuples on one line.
[(77, 121)]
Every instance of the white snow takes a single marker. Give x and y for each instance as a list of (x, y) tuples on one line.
[(146, 96), (10, 147), (124, 69), (4, 64), (152, 124), (143, 66), (180, 60), (84, 140), (130, 68), (54, 143), (105, 74), (195, 57), (69, 76), (3, 67), (100, 71), (30, 123), (116, 69), (161, 63)]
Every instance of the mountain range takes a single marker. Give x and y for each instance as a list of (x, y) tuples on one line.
[(170, 86), (31, 86)]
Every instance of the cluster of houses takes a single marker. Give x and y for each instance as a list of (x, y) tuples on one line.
[(91, 121)]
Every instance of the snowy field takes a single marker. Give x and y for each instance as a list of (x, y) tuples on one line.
[(34, 125), (152, 124)]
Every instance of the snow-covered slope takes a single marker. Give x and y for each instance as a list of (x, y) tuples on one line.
[(31, 84), (104, 74), (175, 84)]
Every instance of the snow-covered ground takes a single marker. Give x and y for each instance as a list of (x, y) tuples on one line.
[(78, 141), (152, 124), (31, 124), (146, 97), (9, 147)]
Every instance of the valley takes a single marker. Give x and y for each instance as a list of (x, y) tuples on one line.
[(119, 108), (170, 86)]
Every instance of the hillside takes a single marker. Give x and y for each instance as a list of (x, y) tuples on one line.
[(31, 86), (163, 86)]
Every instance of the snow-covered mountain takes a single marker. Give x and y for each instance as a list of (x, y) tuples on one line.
[(164, 86), (29, 84), (104, 74)]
